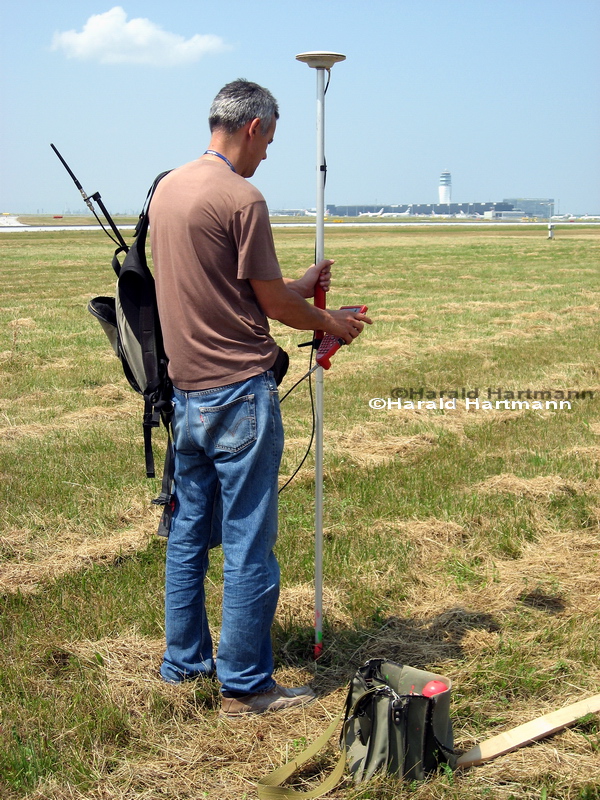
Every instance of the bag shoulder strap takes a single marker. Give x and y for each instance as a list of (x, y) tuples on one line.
[(270, 788), (142, 224)]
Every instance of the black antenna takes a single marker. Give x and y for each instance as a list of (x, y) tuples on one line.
[(97, 199)]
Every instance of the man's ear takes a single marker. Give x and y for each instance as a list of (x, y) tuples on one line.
[(253, 127)]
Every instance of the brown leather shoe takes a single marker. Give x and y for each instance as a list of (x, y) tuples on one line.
[(277, 699)]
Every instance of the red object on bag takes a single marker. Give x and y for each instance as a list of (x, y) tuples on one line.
[(433, 687)]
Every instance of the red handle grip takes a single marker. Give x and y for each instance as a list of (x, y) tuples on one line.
[(319, 296), (319, 301)]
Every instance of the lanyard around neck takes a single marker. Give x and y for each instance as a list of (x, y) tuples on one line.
[(220, 155)]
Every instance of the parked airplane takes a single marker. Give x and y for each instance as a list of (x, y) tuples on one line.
[(406, 213), (371, 213)]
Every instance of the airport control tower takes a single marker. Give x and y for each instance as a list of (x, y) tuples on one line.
[(445, 187)]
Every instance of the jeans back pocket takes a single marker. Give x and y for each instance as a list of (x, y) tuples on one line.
[(231, 427)]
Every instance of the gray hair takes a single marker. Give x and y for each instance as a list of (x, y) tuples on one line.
[(240, 102)]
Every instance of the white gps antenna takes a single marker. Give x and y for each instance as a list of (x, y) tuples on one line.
[(321, 61)]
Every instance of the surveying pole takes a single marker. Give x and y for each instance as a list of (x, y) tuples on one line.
[(322, 62)]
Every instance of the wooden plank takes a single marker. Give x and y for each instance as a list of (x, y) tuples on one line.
[(529, 732)]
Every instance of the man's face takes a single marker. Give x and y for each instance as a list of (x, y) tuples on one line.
[(258, 147)]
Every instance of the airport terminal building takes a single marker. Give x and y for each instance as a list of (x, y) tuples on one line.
[(420, 209), (519, 207), (533, 206)]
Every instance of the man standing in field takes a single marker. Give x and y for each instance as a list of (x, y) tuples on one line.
[(217, 280)]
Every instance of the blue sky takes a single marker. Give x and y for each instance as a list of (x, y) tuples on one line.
[(503, 93)]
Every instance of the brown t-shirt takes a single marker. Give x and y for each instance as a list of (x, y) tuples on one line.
[(210, 234)]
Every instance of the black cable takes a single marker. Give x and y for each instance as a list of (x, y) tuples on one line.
[(298, 382), (312, 409), (324, 165), (106, 231)]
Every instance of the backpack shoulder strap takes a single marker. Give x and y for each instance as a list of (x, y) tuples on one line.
[(142, 224), (136, 288), (141, 228)]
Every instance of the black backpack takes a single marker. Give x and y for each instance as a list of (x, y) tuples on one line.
[(131, 322)]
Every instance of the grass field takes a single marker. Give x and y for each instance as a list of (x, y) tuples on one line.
[(463, 540)]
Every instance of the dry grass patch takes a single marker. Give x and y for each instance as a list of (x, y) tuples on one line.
[(118, 403), (426, 536), (543, 486), (454, 420), (297, 605), (180, 742), (591, 451), (130, 660), (557, 564), (483, 305), (565, 761), (564, 565), (73, 420), (34, 560), (560, 570), (371, 444)]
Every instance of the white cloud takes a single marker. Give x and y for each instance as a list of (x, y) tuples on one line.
[(110, 39)]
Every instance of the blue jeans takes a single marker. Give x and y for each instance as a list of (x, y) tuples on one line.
[(228, 444)]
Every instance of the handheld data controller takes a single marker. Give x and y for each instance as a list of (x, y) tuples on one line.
[(331, 344)]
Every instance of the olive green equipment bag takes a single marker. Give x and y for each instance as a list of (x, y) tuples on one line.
[(396, 719)]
